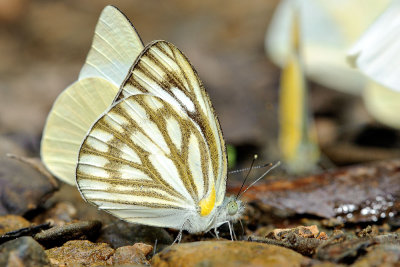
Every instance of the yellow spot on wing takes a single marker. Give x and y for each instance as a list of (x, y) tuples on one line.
[(207, 204)]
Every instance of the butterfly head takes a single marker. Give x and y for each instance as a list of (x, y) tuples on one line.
[(232, 208)]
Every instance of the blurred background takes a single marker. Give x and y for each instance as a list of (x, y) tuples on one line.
[(43, 45)]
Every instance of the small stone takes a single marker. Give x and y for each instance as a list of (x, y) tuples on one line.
[(22, 188), (58, 235), (135, 254), (122, 233), (80, 252), (23, 251), (10, 223), (301, 231), (228, 253)]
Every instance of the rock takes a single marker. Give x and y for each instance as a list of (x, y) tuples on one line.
[(135, 254), (302, 231), (122, 233), (363, 193), (12, 222), (80, 252), (58, 235), (22, 188), (291, 239), (227, 253), (23, 251)]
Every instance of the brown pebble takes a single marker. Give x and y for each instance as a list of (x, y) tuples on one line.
[(12, 222), (227, 253), (135, 254), (78, 252), (302, 231)]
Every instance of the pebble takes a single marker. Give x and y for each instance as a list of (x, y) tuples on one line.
[(227, 253), (24, 252), (80, 252), (22, 187), (135, 254), (84, 252)]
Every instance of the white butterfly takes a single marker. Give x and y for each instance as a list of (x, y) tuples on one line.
[(156, 155)]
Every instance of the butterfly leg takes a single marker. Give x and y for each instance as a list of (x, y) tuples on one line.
[(216, 232), (230, 230), (178, 238)]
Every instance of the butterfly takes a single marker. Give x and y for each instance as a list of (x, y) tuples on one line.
[(154, 153)]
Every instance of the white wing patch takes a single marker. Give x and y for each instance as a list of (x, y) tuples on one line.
[(129, 154), (97, 144), (186, 102), (195, 163), (93, 170), (96, 160), (175, 132)]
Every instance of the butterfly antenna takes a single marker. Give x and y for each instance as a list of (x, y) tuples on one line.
[(246, 169), (251, 166), (258, 179)]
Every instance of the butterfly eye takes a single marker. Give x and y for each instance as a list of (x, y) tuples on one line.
[(232, 207)]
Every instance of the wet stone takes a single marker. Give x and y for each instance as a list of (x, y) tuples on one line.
[(23, 251), (58, 235), (361, 193), (135, 254), (80, 252), (10, 223), (22, 188), (120, 233), (228, 253)]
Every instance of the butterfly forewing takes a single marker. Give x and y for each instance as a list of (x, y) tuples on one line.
[(162, 70), (145, 153), (115, 47)]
